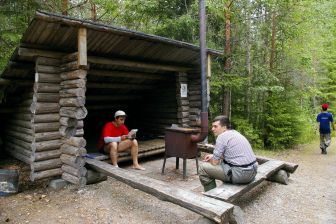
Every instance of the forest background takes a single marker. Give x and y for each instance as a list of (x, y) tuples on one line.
[(279, 62)]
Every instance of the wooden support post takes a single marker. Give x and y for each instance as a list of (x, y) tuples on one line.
[(82, 48)]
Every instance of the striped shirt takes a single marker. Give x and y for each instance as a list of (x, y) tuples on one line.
[(234, 148)]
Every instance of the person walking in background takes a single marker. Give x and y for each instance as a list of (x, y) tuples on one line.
[(324, 119)]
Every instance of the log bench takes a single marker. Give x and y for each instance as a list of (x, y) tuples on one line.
[(268, 169), (146, 148), (215, 210)]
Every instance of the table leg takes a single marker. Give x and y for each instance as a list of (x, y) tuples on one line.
[(184, 168)]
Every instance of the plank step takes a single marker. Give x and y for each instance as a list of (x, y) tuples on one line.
[(229, 192)]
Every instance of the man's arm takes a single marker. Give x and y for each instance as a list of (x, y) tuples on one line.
[(209, 158)]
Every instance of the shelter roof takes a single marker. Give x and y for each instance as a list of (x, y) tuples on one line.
[(58, 33)]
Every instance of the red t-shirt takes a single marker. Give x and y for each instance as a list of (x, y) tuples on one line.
[(109, 130)]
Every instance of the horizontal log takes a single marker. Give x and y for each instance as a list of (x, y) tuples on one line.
[(48, 61), (46, 165), (73, 161), (74, 112), (106, 106), (47, 78), (76, 74), (19, 135), (289, 167), (45, 118), (80, 124), (92, 85), (93, 177), (77, 172), (79, 92), (46, 88), (113, 98), (47, 69), (18, 142), (73, 150), (67, 131), (73, 83), (128, 75), (20, 156), (135, 64), (70, 57), (20, 123), (69, 122), (46, 127), (69, 66), (280, 177), (76, 141), (30, 52), (46, 97), (79, 132), (23, 116), (14, 147), (46, 145), (46, 136), (81, 181), (45, 155), (72, 102), (45, 174), (44, 108)]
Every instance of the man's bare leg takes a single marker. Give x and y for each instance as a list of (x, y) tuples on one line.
[(133, 144), (112, 149), (134, 154)]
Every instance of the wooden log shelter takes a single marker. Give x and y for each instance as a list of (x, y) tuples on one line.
[(68, 76)]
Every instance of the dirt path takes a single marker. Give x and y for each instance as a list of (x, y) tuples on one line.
[(310, 197)]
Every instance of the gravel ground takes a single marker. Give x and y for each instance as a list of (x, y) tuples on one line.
[(310, 197)]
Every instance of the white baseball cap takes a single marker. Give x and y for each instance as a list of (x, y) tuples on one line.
[(119, 113)]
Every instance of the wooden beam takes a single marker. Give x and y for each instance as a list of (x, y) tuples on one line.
[(82, 48), (215, 210), (113, 98), (29, 52), (131, 75), (136, 64)]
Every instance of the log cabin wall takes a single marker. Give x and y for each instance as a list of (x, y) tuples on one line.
[(18, 132), (45, 120), (72, 113), (182, 99), (194, 96)]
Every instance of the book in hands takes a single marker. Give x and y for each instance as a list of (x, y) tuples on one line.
[(132, 134)]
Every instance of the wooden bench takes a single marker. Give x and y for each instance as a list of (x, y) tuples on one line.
[(215, 210), (230, 192), (146, 148), (268, 169)]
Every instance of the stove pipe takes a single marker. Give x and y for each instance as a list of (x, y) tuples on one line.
[(204, 96)]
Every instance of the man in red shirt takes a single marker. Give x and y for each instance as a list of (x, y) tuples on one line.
[(114, 139)]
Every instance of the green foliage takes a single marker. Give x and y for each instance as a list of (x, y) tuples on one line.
[(282, 123), (245, 128)]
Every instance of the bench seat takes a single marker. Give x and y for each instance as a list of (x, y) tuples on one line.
[(230, 192), (146, 148)]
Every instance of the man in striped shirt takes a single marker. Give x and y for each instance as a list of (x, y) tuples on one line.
[(232, 160)]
